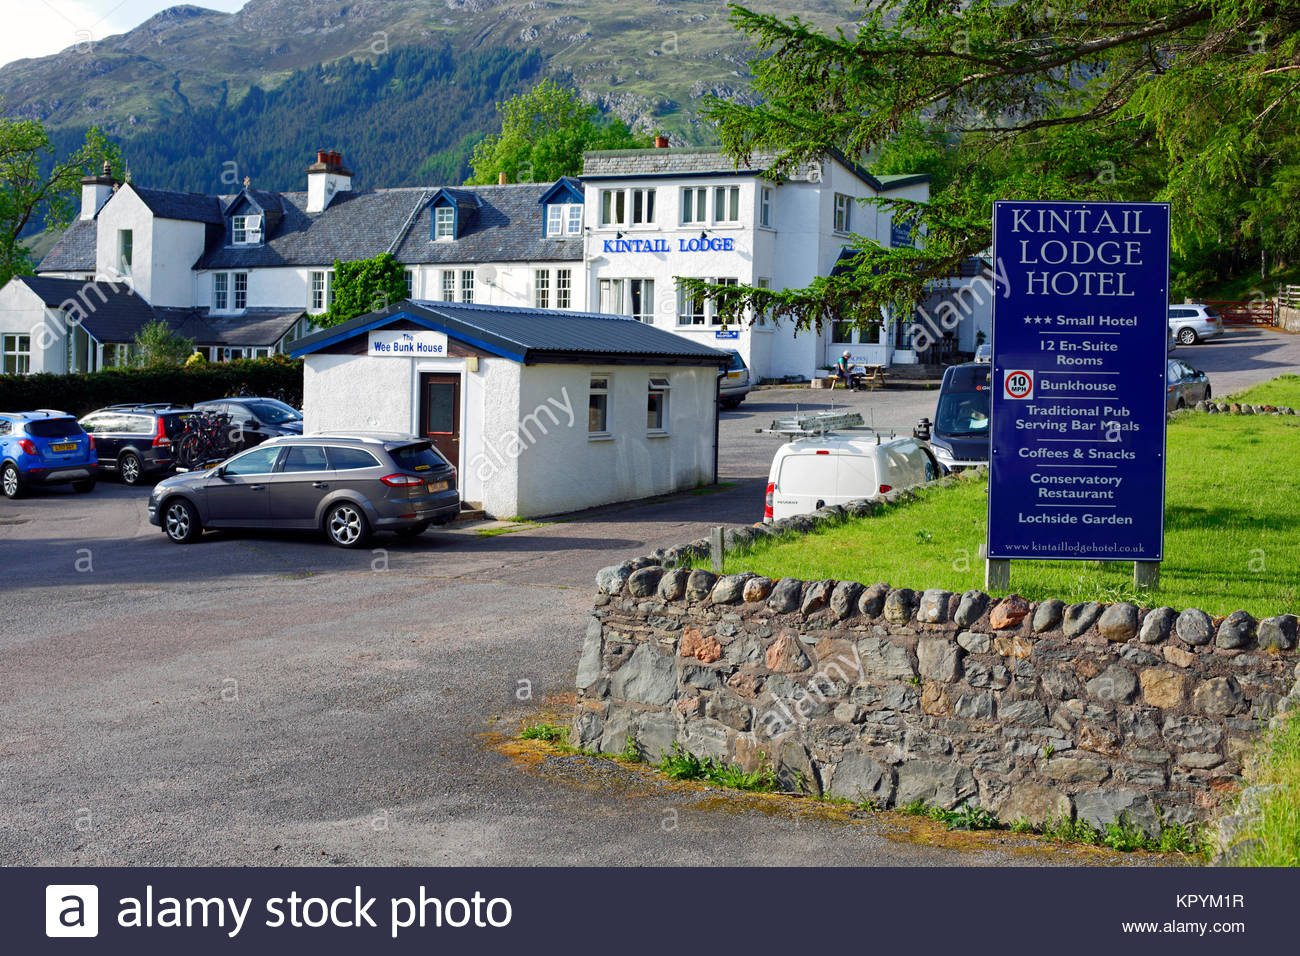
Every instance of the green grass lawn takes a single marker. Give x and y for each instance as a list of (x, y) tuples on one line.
[(1274, 836), (1232, 532), (1283, 390)]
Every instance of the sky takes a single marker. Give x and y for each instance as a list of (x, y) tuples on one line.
[(41, 27)]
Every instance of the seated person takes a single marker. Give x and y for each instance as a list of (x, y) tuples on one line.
[(845, 371)]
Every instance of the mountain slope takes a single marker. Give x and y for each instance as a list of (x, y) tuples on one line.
[(646, 60)]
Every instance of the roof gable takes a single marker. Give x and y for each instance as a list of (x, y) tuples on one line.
[(564, 190)]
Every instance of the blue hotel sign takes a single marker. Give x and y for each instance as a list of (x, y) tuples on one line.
[(1080, 335), (697, 244)]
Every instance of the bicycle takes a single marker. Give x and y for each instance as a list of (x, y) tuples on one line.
[(203, 438)]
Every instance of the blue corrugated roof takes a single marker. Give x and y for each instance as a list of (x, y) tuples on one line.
[(529, 335)]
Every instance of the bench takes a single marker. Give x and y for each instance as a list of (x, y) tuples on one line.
[(868, 377)]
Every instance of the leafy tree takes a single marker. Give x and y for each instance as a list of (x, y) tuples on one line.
[(156, 345), (364, 286), (543, 135), (1192, 101), (35, 191)]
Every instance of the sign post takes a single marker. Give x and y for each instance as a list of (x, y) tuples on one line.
[(1080, 341)]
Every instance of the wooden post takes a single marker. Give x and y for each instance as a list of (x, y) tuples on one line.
[(997, 574), (715, 549), (1146, 575)]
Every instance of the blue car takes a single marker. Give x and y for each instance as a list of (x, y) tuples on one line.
[(44, 448)]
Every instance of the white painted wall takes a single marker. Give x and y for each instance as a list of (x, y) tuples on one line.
[(565, 469), (517, 458), (23, 313), (163, 250)]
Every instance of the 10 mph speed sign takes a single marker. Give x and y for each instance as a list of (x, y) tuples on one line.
[(1018, 384)]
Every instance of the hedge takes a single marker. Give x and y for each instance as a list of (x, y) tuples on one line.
[(276, 377)]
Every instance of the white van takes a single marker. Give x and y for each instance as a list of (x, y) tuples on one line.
[(833, 469)]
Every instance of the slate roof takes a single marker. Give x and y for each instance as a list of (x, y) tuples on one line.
[(506, 227), (531, 335), (170, 204), (109, 311), (355, 225), (75, 250)]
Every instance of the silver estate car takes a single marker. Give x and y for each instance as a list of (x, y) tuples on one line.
[(346, 485), (1193, 322)]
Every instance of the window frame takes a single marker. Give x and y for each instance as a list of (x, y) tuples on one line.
[(444, 227), (467, 285), (220, 291), (239, 291), (599, 385), (726, 205), (12, 348), (317, 298), (661, 386), (614, 208), (541, 288), (697, 196), (842, 219), (644, 198), (125, 251), (573, 219), (564, 288), (637, 290), (765, 196), (448, 285)]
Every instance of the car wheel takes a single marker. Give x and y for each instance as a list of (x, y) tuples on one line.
[(413, 531), (1187, 336), (346, 526), (84, 487), (128, 466), (181, 521), (1207, 393), (929, 471), (1180, 405), (731, 403), (11, 482)]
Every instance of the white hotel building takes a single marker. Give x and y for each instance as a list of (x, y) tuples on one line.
[(243, 273)]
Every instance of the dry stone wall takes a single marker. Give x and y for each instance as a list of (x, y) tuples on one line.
[(1032, 710)]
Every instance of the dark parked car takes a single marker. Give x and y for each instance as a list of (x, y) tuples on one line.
[(254, 420), (959, 436), (1184, 385), (346, 485), (136, 440), (44, 448)]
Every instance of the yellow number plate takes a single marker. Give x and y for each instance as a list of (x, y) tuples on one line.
[(733, 375), (437, 486), (64, 446)]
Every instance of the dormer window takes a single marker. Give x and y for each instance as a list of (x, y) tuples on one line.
[(245, 230), (444, 223), (564, 219)]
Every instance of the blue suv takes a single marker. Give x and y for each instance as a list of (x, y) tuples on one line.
[(44, 448)]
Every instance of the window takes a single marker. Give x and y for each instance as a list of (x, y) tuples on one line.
[(240, 284), (696, 309), (239, 229), (444, 223), (542, 289), (305, 458), (611, 296), (316, 298), (765, 207), (564, 219), (563, 288), (467, 285), (643, 207), (598, 407), (690, 308), (221, 291), (762, 283), (125, 244), (117, 356), (843, 212), (448, 285), (726, 203), (613, 207), (17, 355), (695, 204), (348, 459), (408, 276), (842, 332), (656, 420), (641, 299), (259, 461)]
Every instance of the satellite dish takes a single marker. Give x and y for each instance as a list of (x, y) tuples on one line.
[(486, 274)]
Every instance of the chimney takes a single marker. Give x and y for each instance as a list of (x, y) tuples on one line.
[(325, 177), (501, 179), (661, 142), (95, 191)]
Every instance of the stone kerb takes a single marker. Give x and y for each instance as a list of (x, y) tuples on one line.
[(1241, 408), (871, 692)]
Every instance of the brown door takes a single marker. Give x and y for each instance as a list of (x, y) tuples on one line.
[(440, 413)]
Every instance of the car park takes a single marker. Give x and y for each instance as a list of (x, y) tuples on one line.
[(253, 420), (837, 462), (137, 441), (345, 485), (1184, 385), (733, 381), (1193, 322), (45, 447)]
